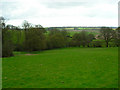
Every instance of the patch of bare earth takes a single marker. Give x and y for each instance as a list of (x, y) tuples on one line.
[(30, 54)]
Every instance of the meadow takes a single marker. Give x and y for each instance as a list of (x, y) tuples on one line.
[(78, 31), (62, 68)]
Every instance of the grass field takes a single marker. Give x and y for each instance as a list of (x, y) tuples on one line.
[(73, 32), (62, 68)]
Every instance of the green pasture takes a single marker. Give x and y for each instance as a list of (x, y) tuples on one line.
[(62, 68), (73, 32)]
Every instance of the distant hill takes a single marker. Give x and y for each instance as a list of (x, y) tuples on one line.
[(76, 28)]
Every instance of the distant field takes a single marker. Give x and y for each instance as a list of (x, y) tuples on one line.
[(62, 68), (73, 32), (80, 28)]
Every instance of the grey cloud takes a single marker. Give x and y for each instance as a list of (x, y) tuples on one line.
[(60, 5), (7, 8)]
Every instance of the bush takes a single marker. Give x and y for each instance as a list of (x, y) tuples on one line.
[(96, 44), (74, 43)]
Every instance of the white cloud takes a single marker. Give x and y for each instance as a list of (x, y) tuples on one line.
[(61, 12)]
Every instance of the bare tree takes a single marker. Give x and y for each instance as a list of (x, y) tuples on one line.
[(117, 36), (38, 26), (26, 25), (107, 34), (2, 22)]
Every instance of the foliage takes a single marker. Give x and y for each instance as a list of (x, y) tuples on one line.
[(34, 40), (96, 44), (82, 38), (57, 39), (7, 44)]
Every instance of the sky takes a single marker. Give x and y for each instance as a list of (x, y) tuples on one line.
[(57, 13)]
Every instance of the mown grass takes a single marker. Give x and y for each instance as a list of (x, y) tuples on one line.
[(62, 68)]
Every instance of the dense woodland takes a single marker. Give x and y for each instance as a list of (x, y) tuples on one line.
[(37, 38)]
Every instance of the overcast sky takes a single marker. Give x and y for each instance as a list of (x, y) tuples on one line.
[(50, 13)]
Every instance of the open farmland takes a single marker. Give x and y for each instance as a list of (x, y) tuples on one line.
[(59, 44), (62, 68)]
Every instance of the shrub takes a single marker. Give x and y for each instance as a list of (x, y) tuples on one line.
[(96, 44)]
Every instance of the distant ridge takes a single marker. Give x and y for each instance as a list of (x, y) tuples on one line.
[(78, 28)]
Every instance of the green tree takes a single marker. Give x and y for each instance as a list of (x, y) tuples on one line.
[(76, 40), (35, 40), (84, 38), (7, 44), (80, 38), (90, 37), (57, 39)]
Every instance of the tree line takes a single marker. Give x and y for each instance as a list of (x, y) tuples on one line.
[(36, 38)]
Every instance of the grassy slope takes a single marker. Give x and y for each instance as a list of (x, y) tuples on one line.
[(63, 68)]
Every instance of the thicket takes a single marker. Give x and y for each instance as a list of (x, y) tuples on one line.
[(38, 39)]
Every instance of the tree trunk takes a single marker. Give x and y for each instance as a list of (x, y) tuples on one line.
[(88, 45), (106, 44)]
